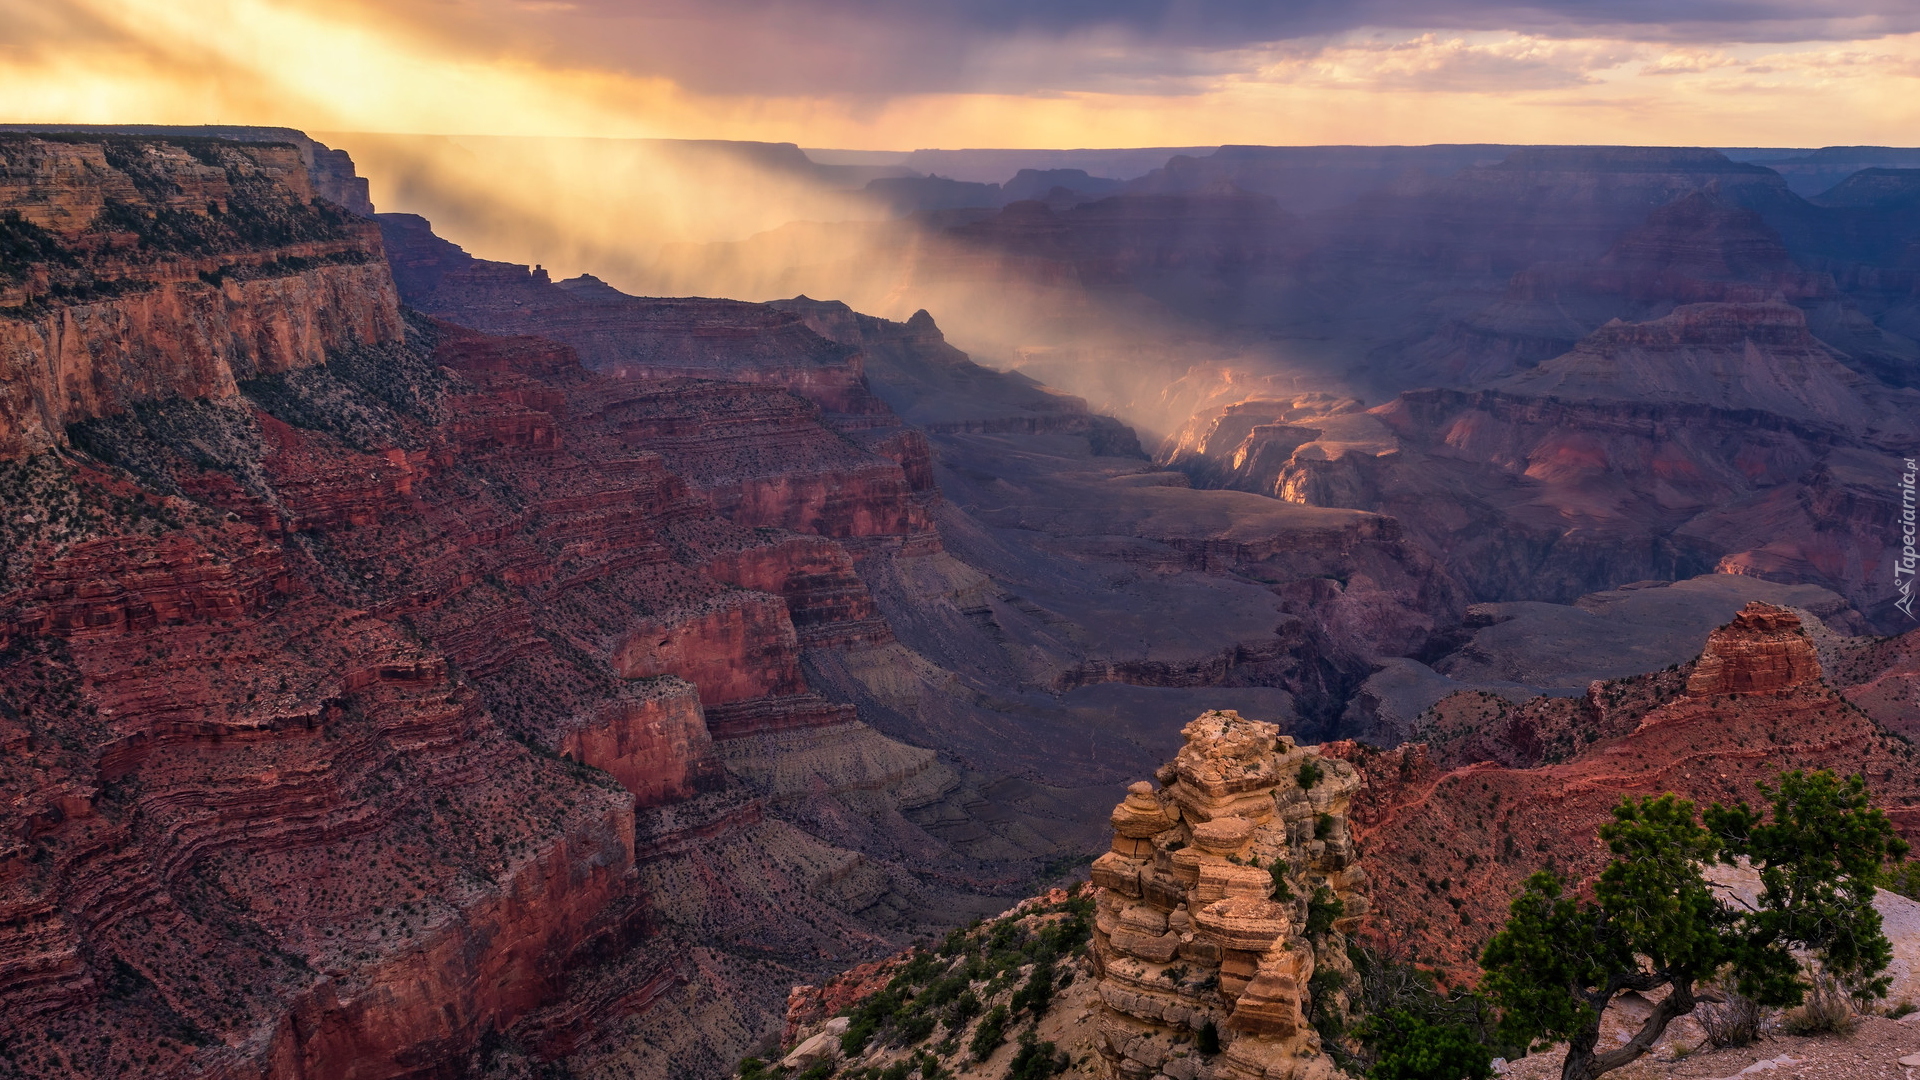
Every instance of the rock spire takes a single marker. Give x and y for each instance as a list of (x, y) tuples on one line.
[(1226, 891)]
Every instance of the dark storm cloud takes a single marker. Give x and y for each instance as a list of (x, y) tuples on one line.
[(1234, 22), (1144, 46)]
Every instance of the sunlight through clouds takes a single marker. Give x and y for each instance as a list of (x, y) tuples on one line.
[(390, 68)]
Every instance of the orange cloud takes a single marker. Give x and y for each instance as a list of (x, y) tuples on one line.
[(483, 68)]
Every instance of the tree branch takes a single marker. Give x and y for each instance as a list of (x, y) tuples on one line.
[(1679, 1003)]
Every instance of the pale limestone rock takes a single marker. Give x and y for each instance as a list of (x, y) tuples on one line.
[(1188, 931), (1140, 816), (822, 1046)]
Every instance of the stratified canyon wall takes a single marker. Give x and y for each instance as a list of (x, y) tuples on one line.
[(1225, 891), (389, 697), (1013, 540), (373, 685), (138, 270), (555, 677), (1707, 375), (1561, 369)]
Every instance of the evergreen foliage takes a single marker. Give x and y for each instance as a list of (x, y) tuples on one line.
[(1656, 922), (1410, 1047)]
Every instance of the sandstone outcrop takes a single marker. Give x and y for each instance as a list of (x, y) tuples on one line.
[(1211, 945), (1764, 649), (1225, 892), (154, 268)]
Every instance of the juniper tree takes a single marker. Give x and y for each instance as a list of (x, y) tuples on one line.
[(1655, 921)]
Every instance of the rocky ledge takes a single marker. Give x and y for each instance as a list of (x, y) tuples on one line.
[(1211, 945)]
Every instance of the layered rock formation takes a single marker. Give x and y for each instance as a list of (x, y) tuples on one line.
[(142, 269), (1049, 502), (1750, 318), (1542, 204), (329, 170), (1764, 649), (1760, 358), (368, 701), (405, 791), (1448, 846), (1222, 907), (377, 683), (1721, 437), (1700, 248)]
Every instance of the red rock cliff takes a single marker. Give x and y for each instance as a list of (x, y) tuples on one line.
[(152, 268)]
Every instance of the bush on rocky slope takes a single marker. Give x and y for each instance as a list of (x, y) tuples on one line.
[(957, 1002), (1656, 922)]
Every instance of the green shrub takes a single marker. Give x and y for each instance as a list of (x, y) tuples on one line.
[(1310, 774), (942, 991), (965, 1007), (1282, 892), (1903, 878), (1323, 908), (866, 1019), (990, 1034), (22, 244), (1407, 1047), (1035, 1060), (1038, 990), (915, 972), (914, 1026)]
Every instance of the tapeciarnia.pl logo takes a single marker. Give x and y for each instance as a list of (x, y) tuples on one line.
[(1903, 567)]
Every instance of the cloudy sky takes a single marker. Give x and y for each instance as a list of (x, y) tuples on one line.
[(900, 74)]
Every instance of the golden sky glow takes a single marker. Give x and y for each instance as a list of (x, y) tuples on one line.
[(448, 66)]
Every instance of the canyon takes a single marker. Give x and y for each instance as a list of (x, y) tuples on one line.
[(397, 686), (418, 666), (1561, 369), (1210, 942)]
